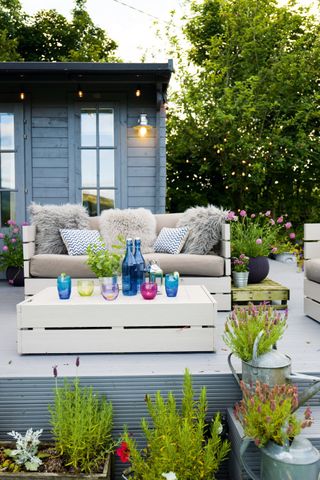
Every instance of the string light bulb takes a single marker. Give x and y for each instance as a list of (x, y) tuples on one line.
[(80, 93), (22, 95), (138, 92)]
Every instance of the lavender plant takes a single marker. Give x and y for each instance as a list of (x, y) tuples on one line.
[(26, 449), (243, 325)]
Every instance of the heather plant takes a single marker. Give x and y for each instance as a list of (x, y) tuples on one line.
[(180, 445), (81, 426), (267, 413), (25, 453), (241, 263), (243, 325), (12, 252)]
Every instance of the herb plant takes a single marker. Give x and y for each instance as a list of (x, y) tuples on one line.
[(81, 426), (25, 453), (12, 252), (178, 444), (243, 325), (267, 414), (105, 263)]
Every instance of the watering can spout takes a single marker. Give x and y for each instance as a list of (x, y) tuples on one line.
[(308, 393)]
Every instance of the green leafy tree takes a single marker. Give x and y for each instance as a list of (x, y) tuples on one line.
[(49, 36), (244, 127)]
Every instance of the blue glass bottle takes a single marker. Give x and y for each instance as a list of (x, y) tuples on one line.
[(140, 263), (129, 271)]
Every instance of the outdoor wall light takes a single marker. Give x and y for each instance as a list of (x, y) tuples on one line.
[(142, 128)]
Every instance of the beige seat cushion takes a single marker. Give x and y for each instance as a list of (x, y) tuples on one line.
[(168, 220), (312, 268), (50, 266)]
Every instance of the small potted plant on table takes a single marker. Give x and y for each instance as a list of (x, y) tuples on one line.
[(240, 272)]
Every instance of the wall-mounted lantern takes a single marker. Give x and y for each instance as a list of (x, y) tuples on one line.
[(143, 127)]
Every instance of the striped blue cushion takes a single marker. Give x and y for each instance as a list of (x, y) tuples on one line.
[(171, 240), (77, 241)]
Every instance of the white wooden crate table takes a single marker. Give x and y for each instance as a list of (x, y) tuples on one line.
[(184, 323)]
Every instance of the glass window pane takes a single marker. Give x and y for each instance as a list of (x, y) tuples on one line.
[(106, 199), (7, 170), (7, 207), (106, 128), (89, 200), (107, 168), (88, 168), (6, 131), (88, 127)]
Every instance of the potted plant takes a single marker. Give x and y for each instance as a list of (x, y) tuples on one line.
[(82, 443), (106, 265), (11, 257), (267, 417), (256, 236), (240, 272), (180, 445)]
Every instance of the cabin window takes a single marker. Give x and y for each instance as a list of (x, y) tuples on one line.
[(7, 169), (98, 148)]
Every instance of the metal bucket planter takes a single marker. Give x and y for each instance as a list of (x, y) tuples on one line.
[(298, 461), (240, 279), (105, 474), (258, 269)]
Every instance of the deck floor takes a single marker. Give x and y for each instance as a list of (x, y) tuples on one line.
[(301, 342)]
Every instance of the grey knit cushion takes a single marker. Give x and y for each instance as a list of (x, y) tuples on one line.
[(48, 219), (205, 225)]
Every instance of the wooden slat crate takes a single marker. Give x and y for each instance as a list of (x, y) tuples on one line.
[(265, 291)]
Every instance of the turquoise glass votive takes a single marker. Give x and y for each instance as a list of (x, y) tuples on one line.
[(64, 286), (171, 284)]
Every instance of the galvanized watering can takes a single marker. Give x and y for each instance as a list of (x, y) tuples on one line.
[(299, 461), (273, 368)]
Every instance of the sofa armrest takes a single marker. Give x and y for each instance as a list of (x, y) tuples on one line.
[(311, 240), (28, 239), (226, 248)]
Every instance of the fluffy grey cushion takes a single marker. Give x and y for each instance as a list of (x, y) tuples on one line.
[(131, 223), (205, 228), (48, 219)]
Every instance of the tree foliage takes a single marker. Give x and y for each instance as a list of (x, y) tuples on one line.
[(49, 36), (244, 127)]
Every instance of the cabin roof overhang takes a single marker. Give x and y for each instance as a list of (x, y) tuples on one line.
[(86, 72)]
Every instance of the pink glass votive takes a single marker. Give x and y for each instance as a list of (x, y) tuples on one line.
[(149, 290)]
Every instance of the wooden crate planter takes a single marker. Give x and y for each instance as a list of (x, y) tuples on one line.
[(266, 291), (129, 324), (105, 474)]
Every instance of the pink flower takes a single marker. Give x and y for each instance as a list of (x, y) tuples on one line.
[(292, 235), (258, 241), (253, 215), (15, 230), (272, 222), (13, 240), (1, 235), (25, 224), (288, 225), (280, 220), (274, 250), (11, 222), (243, 213), (231, 215), (5, 248), (268, 213)]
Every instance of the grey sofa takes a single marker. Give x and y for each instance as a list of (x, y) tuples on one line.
[(213, 271)]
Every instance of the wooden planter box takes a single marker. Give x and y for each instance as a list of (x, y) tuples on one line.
[(106, 474), (265, 291)]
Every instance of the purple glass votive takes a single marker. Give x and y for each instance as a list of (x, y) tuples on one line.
[(149, 290), (109, 288)]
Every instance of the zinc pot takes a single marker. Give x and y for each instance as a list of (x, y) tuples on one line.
[(258, 269), (298, 461), (15, 276), (240, 279)]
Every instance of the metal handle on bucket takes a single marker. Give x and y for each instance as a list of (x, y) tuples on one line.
[(243, 447), (234, 373)]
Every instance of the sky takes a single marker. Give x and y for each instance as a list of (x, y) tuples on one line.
[(132, 30)]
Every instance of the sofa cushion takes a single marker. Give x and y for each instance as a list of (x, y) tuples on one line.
[(171, 240), (205, 224), (130, 223), (168, 220), (50, 266), (190, 265), (48, 219), (312, 268), (77, 241)]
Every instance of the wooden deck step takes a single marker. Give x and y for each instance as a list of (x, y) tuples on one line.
[(236, 470)]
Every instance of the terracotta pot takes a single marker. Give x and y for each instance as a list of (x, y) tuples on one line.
[(15, 276), (258, 269)]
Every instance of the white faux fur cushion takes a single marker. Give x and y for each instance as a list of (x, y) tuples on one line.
[(48, 219), (205, 225), (130, 223)]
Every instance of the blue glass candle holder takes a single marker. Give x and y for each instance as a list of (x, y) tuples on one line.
[(64, 286), (171, 284)]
